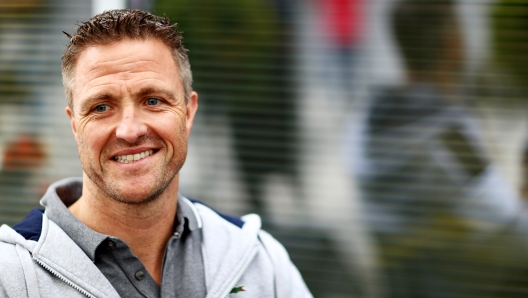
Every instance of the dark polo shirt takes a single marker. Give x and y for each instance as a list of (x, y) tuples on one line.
[(183, 270)]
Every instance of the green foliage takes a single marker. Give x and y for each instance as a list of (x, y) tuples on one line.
[(510, 38), (232, 46)]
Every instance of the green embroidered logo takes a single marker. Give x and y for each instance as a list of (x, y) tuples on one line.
[(237, 289)]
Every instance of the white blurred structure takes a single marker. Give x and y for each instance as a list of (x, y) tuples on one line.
[(329, 190), (98, 6)]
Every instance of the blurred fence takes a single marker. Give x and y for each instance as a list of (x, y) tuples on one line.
[(382, 141)]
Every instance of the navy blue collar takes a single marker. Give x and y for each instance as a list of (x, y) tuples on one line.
[(31, 226), (232, 219)]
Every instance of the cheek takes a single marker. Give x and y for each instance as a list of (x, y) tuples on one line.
[(168, 126), (92, 139), (173, 135)]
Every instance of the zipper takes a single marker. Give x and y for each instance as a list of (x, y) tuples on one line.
[(240, 272), (64, 279)]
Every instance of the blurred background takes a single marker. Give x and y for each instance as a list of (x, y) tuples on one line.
[(384, 142)]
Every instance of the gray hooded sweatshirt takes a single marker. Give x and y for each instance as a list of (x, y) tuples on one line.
[(45, 262)]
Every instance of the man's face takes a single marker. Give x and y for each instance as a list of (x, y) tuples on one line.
[(130, 119)]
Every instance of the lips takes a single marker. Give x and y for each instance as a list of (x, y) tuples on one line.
[(133, 157)]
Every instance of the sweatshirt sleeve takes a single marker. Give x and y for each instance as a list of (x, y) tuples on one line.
[(288, 281), (12, 281)]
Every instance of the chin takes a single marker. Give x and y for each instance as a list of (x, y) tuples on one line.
[(135, 198), (132, 189), (141, 194)]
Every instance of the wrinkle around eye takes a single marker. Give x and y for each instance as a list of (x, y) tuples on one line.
[(93, 112)]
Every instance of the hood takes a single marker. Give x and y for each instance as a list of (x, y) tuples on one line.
[(26, 233)]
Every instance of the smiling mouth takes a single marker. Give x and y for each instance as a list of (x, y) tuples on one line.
[(133, 157)]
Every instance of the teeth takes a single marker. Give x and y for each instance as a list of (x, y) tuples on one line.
[(133, 157)]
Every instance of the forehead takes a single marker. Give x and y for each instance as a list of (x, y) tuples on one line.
[(127, 61)]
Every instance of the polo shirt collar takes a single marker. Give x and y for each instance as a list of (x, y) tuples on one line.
[(188, 213)]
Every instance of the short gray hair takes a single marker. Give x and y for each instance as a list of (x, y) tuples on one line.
[(116, 25)]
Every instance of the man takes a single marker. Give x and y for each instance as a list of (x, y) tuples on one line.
[(446, 222), (123, 230)]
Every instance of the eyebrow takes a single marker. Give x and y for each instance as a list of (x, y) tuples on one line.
[(89, 100), (150, 90)]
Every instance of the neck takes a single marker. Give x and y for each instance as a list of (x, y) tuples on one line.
[(146, 228)]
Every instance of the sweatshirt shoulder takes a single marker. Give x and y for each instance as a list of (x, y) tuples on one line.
[(227, 236), (8, 253), (193, 203), (12, 243), (11, 273), (288, 279)]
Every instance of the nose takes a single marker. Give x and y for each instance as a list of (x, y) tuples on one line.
[(130, 127)]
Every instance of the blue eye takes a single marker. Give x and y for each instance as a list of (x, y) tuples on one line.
[(101, 108), (152, 101)]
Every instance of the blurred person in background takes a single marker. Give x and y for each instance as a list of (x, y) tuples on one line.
[(446, 223), (342, 24), (123, 230), (22, 158)]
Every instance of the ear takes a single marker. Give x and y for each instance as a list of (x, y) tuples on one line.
[(69, 112), (192, 107)]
